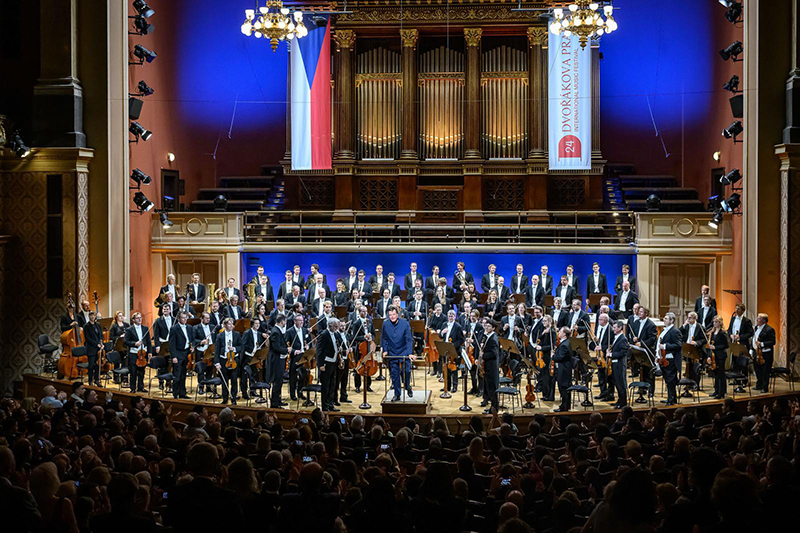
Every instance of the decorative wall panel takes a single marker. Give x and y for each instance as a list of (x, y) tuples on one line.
[(317, 193), (504, 195), (377, 194)]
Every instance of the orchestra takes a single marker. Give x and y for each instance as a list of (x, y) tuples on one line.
[(211, 333)]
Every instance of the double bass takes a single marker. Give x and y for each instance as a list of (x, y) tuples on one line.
[(367, 364), (71, 339)]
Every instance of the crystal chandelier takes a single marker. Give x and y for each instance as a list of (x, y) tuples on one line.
[(585, 19), (274, 23)]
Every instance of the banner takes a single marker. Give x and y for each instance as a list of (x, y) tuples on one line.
[(569, 103), (311, 99)]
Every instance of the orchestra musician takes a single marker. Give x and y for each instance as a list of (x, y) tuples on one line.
[(503, 292), (170, 303), (740, 330), (558, 313), (350, 282), (418, 309), (116, 331), (317, 307), (83, 314), (440, 298), (492, 308), (545, 333), (452, 333), (230, 290), (327, 314), (137, 338), (705, 290), (622, 278), (397, 346), (341, 296), (564, 363), (197, 291), (394, 288), (280, 309), (327, 361), (546, 279), (295, 297), (718, 349), (162, 326), (233, 310), (572, 279), (534, 294), (382, 306), (297, 278), (489, 281), (354, 302), (168, 288), (410, 279), (228, 344), (181, 337), (644, 334), (342, 372), (626, 299), (215, 316), (671, 342), (468, 300), (473, 330), (690, 331), (93, 335), (490, 357), (577, 319), (606, 308), (519, 281), (596, 283), (204, 334), (397, 302), (70, 319), (314, 289), (285, 288), (461, 278), (707, 313), (377, 280), (278, 352), (620, 350), (602, 332), (764, 338), (360, 328), (565, 291), (361, 284), (251, 340), (264, 288), (316, 277), (299, 341), (432, 281), (182, 305)]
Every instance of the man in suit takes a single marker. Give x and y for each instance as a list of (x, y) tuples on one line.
[(417, 309), (519, 281), (360, 329), (572, 279), (503, 292), (452, 333), (280, 309), (692, 333), (181, 337), (264, 288), (563, 359), (170, 287), (314, 277), (625, 276), (251, 341), (740, 330), (361, 284), (626, 299), (382, 306), (327, 362), (432, 281), (297, 278), (231, 290), (546, 280), (93, 338), (705, 290), (644, 334), (299, 341), (351, 279), (671, 341), (707, 313), (536, 326), (216, 316), (619, 356), (559, 313), (491, 361), (278, 352), (295, 296), (489, 280), (473, 332), (397, 347), (228, 344), (169, 302), (764, 338), (315, 288), (394, 288), (602, 332), (317, 307), (377, 280), (137, 338), (534, 294), (233, 310), (462, 278), (577, 319), (411, 277), (197, 291), (162, 327), (285, 288), (596, 283), (565, 291), (204, 334)]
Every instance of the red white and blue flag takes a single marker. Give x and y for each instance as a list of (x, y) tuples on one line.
[(311, 99)]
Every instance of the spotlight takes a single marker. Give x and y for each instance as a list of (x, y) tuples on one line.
[(220, 203), (142, 26), (733, 201), (165, 221), (734, 10), (170, 157), (144, 89), (731, 177), (143, 53), (143, 9), (732, 51), (140, 177), (142, 202), (733, 130), (653, 203), (714, 203), (732, 85), (138, 131), (716, 220), (19, 147), (168, 203)]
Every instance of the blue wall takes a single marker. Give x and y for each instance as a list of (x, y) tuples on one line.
[(335, 265)]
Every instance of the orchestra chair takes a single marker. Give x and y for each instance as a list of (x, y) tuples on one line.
[(316, 388), (159, 364), (215, 382), (785, 371), (644, 391), (581, 389), (258, 387), (738, 378), (46, 350), (80, 351), (686, 382), (509, 389), (114, 358)]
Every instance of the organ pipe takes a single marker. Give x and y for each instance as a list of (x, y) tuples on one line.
[(504, 91), (378, 96)]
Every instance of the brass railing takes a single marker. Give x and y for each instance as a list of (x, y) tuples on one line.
[(441, 228)]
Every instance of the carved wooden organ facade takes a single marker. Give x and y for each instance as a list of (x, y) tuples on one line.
[(442, 108)]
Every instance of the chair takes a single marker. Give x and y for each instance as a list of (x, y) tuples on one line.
[(686, 382), (46, 350), (115, 358), (316, 388), (785, 371), (509, 389), (644, 390), (581, 389), (258, 387), (159, 363), (206, 384), (80, 351)]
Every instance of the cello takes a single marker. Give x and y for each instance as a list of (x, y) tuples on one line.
[(367, 364), (71, 339)]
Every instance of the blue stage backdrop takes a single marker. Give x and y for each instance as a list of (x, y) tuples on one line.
[(335, 265)]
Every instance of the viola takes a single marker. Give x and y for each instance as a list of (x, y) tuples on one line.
[(141, 357), (664, 361)]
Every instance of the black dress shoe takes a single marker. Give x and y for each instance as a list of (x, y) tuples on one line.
[(336, 403), (293, 398), (395, 399), (484, 403), (233, 402), (369, 389), (224, 402), (358, 390), (245, 396), (284, 403), (183, 397), (142, 390), (334, 410), (600, 397), (487, 411), (410, 393), (559, 410), (346, 401)]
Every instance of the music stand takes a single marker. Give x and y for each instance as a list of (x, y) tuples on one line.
[(508, 345), (690, 351), (518, 298), (578, 345), (417, 326), (307, 356), (105, 323), (642, 358), (594, 299), (447, 351), (192, 321), (340, 311), (403, 294), (197, 309), (242, 325), (260, 355), (735, 351)]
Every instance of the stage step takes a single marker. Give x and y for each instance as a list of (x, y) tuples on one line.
[(246, 182), (668, 205), (629, 181), (665, 193)]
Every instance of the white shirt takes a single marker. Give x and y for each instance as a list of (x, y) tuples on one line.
[(660, 337), (569, 279), (600, 333), (622, 298), (264, 290), (575, 316), (385, 307), (207, 334), (556, 314), (230, 291), (235, 309), (351, 281), (138, 329), (692, 327), (616, 338), (596, 276), (321, 306), (196, 290), (300, 336), (379, 280), (511, 319), (255, 341), (759, 329), (641, 326), (519, 282), (228, 343), (335, 348), (185, 336), (449, 329), (564, 291), (737, 325), (168, 322), (171, 288), (491, 280), (703, 315)]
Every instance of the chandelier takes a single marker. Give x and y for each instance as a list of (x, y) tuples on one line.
[(584, 19), (273, 23)]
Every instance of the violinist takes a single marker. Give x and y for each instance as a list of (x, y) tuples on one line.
[(204, 335), (162, 326), (359, 329), (668, 354), (250, 342), (453, 333), (227, 347), (545, 332), (278, 352), (327, 361), (536, 326), (718, 349), (492, 308), (558, 313), (491, 360), (436, 322), (322, 319), (764, 338), (280, 309), (693, 335), (620, 350), (181, 337), (137, 340), (354, 302), (117, 331), (511, 323), (644, 334), (740, 330), (299, 340), (342, 370), (563, 359), (577, 319), (601, 341), (93, 334)]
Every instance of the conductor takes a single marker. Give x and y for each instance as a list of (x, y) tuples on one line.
[(397, 343)]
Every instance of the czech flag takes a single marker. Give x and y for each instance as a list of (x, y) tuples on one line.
[(311, 99)]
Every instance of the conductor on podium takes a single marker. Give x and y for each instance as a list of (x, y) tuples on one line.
[(397, 343)]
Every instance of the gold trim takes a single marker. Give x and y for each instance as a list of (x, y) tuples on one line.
[(473, 36), (189, 228), (344, 39), (537, 36), (409, 38)]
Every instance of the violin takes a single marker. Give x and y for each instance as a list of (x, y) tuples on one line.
[(760, 355), (663, 360), (141, 357), (230, 361), (530, 396), (539, 355), (101, 355)]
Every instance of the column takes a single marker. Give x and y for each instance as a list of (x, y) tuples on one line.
[(345, 82), (472, 111), (537, 85), (409, 145), (58, 95)]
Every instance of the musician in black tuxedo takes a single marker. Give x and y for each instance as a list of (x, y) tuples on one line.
[(566, 292), (452, 332), (377, 280), (596, 283), (411, 278), (572, 279), (625, 300), (519, 281), (563, 359), (251, 341), (489, 280), (603, 334), (278, 352), (196, 291), (162, 327), (297, 277), (671, 341), (705, 290), (228, 344), (534, 294), (341, 297), (417, 309), (740, 330), (361, 284), (461, 278), (204, 335), (644, 334), (692, 333), (559, 313), (622, 278), (216, 315), (342, 371), (577, 319), (473, 332), (315, 289), (233, 310), (230, 290), (285, 288), (707, 313), (264, 289), (299, 341), (327, 360), (491, 362), (382, 305), (93, 339), (315, 277), (432, 281), (546, 280), (137, 338), (503, 292), (321, 305), (392, 285), (181, 337), (764, 338), (545, 340), (619, 369), (294, 297), (718, 349)]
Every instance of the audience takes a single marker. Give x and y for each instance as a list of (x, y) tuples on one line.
[(86, 464)]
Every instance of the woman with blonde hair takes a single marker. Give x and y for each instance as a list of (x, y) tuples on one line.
[(57, 512)]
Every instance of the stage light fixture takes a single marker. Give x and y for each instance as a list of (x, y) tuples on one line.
[(19, 147), (140, 177), (167, 203), (714, 202), (731, 177), (165, 221), (143, 53), (733, 201), (143, 9), (732, 85), (142, 202), (144, 89), (220, 203), (139, 131), (734, 10), (716, 219), (653, 203), (142, 26), (733, 130), (732, 51)]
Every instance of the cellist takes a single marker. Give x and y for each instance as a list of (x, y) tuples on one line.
[(93, 334), (137, 340), (358, 330)]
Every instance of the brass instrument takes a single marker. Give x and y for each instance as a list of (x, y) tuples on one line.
[(250, 303), (212, 289)]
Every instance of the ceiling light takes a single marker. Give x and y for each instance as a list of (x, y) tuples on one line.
[(143, 9), (734, 10), (139, 131), (142, 202), (731, 177)]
